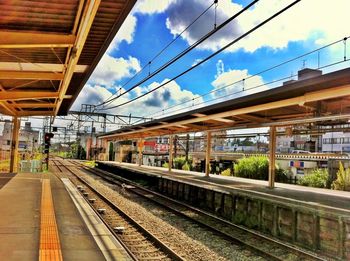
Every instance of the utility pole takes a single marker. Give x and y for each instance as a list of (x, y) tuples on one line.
[(92, 130), (175, 146), (187, 146)]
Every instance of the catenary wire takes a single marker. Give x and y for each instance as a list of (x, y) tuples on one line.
[(251, 76), (159, 53), (208, 57), (184, 52), (237, 92)]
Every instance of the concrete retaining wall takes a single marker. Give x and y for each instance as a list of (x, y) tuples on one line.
[(326, 232), (320, 229)]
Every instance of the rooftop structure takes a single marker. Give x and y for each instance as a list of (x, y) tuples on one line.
[(310, 100), (48, 50)]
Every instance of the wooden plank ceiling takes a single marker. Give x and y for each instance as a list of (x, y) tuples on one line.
[(325, 97), (48, 50)]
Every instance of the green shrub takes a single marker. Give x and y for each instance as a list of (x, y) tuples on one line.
[(186, 166), (179, 162), (281, 174), (318, 179), (226, 172), (257, 168), (166, 165), (343, 179), (90, 163), (252, 167)]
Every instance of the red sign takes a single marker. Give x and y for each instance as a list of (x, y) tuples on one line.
[(162, 147), (150, 143)]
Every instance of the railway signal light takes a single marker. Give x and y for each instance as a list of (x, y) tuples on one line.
[(47, 141)]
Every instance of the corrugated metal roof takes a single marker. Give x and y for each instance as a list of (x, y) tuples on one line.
[(46, 36)]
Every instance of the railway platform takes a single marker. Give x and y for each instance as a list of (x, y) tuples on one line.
[(323, 198), (312, 218), (41, 219)]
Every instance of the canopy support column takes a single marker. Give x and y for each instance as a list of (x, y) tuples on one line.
[(120, 152), (171, 148), (272, 154), (14, 145), (207, 154), (140, 146)]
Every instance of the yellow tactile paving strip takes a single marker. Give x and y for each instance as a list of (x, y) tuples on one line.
[(50, 248)]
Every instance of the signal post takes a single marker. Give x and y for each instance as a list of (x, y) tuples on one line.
[(47, 144)]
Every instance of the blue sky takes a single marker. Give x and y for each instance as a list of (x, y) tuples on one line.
[(152, 24)]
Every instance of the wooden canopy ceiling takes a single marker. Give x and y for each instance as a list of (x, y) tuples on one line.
[(325, 97), (48, 50)]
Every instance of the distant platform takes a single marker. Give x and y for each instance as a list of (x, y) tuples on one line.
[(31, 204), (311, 218), (315, 197)]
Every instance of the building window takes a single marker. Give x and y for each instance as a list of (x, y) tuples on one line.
[(327, 141), (8, 142)]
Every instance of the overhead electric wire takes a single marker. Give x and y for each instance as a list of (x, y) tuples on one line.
[(253, 75), (160, 52), (184, 52), (254, 87), (210, 56), (237, 92)]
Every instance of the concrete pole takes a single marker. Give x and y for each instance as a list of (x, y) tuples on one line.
[(140, 146), (272, 154), (120, 152), (14, 145), (88, 148), (105, 145), (207, 154), (171, 145)]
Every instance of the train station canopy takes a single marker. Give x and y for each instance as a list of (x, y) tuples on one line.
[(319, 98), (49, 48)]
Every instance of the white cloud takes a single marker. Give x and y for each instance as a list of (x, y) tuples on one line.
[(111, 69), (181, 13), (152, 6), (127, 30), (320, 21), (309, 19), (125, 33), (220, 68), (160, 99), (196, 61), (229, 85)]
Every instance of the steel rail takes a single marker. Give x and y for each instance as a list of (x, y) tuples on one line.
[(157, 242), (144, 191), (117, 237)]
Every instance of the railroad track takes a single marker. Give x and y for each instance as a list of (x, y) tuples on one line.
[(138, 241), (262, 245)]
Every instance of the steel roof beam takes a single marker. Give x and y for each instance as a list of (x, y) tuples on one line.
[(88, 16), (39, 67), (330, 93), (17, 75), (35, 105), (8, 108), (29, 95), (35, 113), (16, 39)]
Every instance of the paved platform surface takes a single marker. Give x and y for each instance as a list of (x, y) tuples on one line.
[(308, 196), (20, 204)]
